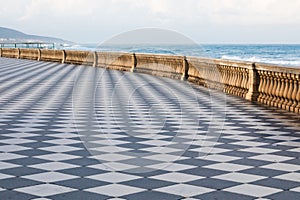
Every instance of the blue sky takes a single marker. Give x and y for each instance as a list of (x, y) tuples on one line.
[(205, 21)]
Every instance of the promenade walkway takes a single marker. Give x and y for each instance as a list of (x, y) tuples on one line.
[(75, 132)]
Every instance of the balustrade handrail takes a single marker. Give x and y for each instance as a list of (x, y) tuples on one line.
[(268, 84)]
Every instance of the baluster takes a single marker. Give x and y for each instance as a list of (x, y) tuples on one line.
[(294, 93), (285, 92), (281, 91), (297, 108), (270, 89), (244, 79), (235, 83), (260, 86), (290, 92), (273, 92), (226, 80), (239, 81), (267, 87), (277, 90)]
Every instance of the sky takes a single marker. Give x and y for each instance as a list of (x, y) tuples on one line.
[(204, 21)]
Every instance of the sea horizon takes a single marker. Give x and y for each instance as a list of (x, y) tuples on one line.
[(278, 54)]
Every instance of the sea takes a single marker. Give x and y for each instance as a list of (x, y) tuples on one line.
[(279, 54)]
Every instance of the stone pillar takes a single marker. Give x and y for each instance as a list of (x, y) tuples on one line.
[(134, 62), (39, 54), (185, 73), (253, 84), (95, 59), (0, 52), (19, 52), (64, 56)]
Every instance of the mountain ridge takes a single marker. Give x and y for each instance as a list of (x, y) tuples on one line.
[(12, 35)]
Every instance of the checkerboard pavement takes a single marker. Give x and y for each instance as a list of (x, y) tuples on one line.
[(134, 136)]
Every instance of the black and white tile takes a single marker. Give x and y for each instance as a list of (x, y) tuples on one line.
[(74, 132)]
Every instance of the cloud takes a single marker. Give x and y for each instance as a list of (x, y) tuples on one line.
[(74, 19)]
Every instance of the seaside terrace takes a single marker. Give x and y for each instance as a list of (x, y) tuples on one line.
[(99, 125)]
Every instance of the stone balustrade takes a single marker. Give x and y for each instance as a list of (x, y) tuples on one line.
[(279, 87), (267, 84)]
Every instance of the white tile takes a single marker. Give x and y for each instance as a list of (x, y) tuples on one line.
[(110, 149), (283, 167), (271, 158), (63, 141), (44, 190), (249, 143), (161, 149), (111, 157), (5, 165), (57, 157), (165, 157), (219, 158), (239, 137), (113, 166), (1, 189), (113, 177), (295, 150), (10, 156), (259, 150), (173, 167), (239, 177), (297, 189), (4, 176), (157, 142), (177, 177), (282, 137), (289, 143), (16, 141), (54, 166), (109, 142), (49, 177), (290, 176), (13, 148), (210, 150), (20, 135), (60, 148), (115, 190), (184, 190), (230, 167), (253, 190)]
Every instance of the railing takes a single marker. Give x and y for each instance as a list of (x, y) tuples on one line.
[(27, 45), (267, 84)]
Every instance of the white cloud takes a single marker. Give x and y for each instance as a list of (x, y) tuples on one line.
[(73, 19)]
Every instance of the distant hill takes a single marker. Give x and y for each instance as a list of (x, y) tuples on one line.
[(11, 35)]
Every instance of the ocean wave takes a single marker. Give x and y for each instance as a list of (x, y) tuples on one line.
[(277, 61)]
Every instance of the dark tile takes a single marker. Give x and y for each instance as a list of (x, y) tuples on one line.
[(81, 183), (220, 195), (83, 161), (16, 182), (205, 172), (79, 195), (251, 162), (14, 195), (285, 195), (147, 183), (195, 162), (263, 172), (213, 183), (151, 195), (21, 171), (28, 161), (277, 183)]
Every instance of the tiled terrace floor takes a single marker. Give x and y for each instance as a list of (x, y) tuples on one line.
[(72, 132)]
